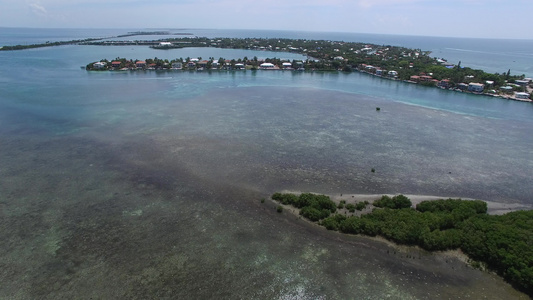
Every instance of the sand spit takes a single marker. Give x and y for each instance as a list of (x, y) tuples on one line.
[(494, 208)]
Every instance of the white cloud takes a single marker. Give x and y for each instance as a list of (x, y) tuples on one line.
[(38, 9)]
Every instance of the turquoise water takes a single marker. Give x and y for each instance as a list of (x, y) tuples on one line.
[(148, 184)]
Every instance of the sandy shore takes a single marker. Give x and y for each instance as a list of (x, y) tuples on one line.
[(494, 208)]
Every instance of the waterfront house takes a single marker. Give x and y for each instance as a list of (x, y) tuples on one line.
[(521, 95), (379, 72), (476, 87), (191, 64), (99, 65), (415, 78), (445, 83), (426, 78), (177, 65), (369, 68), (267, 66), (393, 74), (462, 86), (240, 66), (287, 65), (506, 89), (116, 64), (522, 82), (202, 64), (140, 64)]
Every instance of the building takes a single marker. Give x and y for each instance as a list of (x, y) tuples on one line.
[(287, 65), (522, 82), (506, 89), (202, 64), (140, 64), (177, 65), (116, 64), (462, 86), (99, 65), (476, 87), (369, 68), (393, 74), (521, 95), (445, 83), (267, 66)]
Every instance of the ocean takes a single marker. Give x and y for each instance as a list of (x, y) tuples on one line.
[(148, 185)]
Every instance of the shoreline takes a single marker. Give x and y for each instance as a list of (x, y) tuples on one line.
[(500, 96), (493, 207), (457, 254)]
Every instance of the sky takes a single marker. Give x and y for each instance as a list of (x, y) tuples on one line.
[(454, 18)]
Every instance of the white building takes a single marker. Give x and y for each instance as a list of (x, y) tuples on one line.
[(521, 95), (99, 65), (266, 66), (393, 74)]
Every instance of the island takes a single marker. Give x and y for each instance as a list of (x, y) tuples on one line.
[(385, 61), (501, 243)]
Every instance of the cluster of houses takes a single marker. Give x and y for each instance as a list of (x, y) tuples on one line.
[(487, 87), (519, 90), (195, 64), (480, 88)]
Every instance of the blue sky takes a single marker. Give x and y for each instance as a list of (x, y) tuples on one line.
[(459, 18)]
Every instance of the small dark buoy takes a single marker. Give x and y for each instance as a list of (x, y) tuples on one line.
[(378, 109)]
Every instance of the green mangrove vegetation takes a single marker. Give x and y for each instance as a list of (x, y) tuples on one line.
[(503, 243)]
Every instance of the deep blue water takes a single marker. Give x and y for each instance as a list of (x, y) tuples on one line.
[(148, 184)]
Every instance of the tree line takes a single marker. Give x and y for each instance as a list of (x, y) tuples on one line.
[(504, 243)]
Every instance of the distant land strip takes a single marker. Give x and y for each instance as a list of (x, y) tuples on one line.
[(85, 41)]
